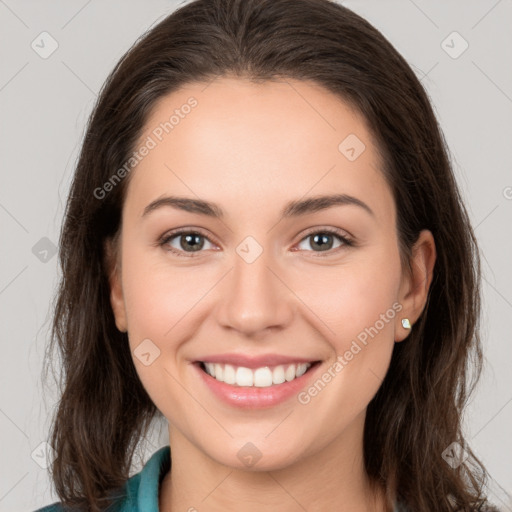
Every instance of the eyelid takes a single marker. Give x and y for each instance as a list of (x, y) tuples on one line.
[(346, 239), (328, 229), (168, 235), (185, 230)]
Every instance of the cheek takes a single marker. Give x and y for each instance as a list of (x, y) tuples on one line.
[(351, 303), (158, 295), (158, 299), (355, 298), (357, 308), (366, 309), (346, 301), (358, 304)]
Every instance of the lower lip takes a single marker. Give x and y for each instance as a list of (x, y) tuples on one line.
[(255, 397)]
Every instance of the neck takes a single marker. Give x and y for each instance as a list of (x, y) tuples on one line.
[(331, 479)]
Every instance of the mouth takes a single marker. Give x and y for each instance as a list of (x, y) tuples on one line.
[(260, 377)]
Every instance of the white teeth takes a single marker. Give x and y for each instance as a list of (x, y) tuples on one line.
[(244, 376), (278, 375), (289, 374), (301, 369), (229, 374), (263, 377), (260, 377)]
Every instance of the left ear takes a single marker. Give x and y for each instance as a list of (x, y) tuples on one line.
[(416, 282), (112, 263)]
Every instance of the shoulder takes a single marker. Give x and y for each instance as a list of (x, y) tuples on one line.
[(54, 507), (140, 491)]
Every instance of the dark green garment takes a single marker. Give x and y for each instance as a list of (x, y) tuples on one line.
[(141, 490)]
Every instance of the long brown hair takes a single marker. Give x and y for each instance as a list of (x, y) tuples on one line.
[(416, 415)]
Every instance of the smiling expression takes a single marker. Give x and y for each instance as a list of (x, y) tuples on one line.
[(253, 240)]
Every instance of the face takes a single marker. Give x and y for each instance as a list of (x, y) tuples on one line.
[(255, 278)]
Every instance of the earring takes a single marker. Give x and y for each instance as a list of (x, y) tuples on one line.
[(405, 323)]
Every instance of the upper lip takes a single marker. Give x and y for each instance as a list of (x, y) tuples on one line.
[(254, 361)]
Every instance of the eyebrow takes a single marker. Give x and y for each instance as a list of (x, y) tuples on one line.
[(291, 209)]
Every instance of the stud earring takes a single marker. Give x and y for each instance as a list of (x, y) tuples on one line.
[(405, 323)]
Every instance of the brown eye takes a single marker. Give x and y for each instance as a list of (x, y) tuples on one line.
[(191, 241), (185, 242), (325, 240)]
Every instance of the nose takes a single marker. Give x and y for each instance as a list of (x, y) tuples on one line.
[(255, 298)]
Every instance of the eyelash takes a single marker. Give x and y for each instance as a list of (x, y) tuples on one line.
[(346, 241)]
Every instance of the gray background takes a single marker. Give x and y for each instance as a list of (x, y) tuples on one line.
[(44, 104)]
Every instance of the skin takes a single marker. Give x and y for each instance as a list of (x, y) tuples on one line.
[(252, 148)]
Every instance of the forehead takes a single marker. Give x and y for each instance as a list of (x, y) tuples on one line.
[(238, 142)]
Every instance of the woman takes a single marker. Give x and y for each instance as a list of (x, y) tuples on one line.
[(264, 243)]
